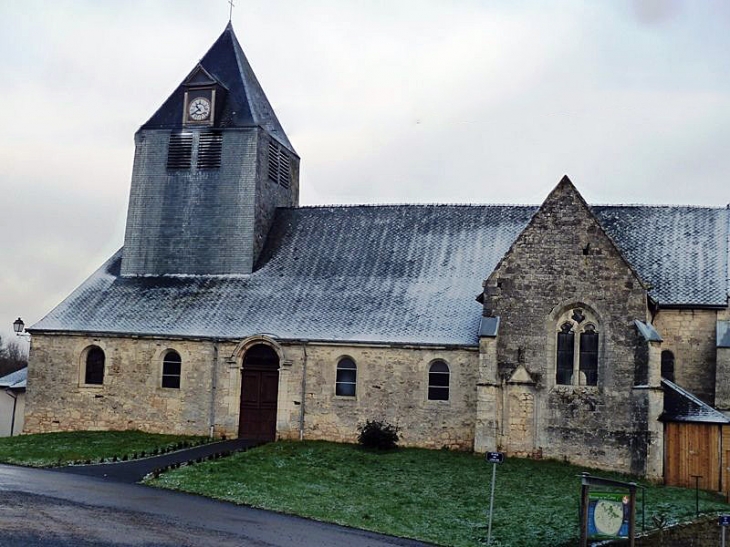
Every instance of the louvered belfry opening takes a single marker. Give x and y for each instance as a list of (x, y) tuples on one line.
[(209, 150), (279, 168), (180, 151)]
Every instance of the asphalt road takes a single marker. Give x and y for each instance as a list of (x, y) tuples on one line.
[(42, 508)]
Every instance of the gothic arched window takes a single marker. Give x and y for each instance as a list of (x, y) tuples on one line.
[(566, 349), (577, 355)]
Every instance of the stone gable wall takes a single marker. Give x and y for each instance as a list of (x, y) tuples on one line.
[(563, 260)]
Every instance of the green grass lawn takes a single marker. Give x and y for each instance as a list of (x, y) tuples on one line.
[(50, 449), (435, 496)]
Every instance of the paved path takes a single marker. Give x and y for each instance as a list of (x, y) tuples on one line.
[(44, 508), (135, 470)]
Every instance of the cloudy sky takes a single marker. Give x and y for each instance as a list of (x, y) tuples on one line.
[(386, 101)]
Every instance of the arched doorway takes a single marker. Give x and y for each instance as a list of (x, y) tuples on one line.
[(259, 392)]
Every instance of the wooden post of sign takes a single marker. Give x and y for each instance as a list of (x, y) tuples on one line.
[(632, 514), (584, 512)]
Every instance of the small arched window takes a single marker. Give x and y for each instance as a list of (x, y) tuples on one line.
[(171, 366), (668, 365), (346, 383), (438, 381), (94, 373)]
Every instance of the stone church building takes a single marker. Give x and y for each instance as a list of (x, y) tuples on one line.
[(563, 330)]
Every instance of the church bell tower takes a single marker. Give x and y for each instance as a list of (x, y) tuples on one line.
[(210, 168)]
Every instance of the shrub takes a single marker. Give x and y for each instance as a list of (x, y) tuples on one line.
[(378, 435)]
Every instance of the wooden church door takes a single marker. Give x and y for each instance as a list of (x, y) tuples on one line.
[(259, 394)]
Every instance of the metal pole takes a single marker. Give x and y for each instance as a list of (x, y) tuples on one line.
[(723, 535), (491, 504), (697, 495)]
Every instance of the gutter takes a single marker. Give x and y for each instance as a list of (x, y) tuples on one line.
[(213, 389), (281, 340), (304, 392)]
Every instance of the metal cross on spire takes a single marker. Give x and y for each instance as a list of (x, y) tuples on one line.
[(230, 11)]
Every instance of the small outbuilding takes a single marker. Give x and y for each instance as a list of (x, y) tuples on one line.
[(696, 441), (12, 402)]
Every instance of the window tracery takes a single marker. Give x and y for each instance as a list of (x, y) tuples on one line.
[(578, 348)]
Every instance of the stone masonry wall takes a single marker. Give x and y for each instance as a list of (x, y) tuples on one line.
[(691, 336), (131, 396), (391, 385), (563, 261)]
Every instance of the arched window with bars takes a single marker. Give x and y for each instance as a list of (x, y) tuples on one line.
[(346, 382), (438, 381), (171, 369)]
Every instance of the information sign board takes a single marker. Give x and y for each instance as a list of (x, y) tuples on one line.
[(608, 515)]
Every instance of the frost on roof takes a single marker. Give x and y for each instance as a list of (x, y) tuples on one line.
[(682, 252), (681, 406), (392, 274), (15, 380)]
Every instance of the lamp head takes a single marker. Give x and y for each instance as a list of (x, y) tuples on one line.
[(18, 325)]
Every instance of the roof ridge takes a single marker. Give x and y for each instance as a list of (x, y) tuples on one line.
[(660, 206), (473, 204), (383, 205)]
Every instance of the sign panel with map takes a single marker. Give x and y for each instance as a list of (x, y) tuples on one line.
[(608, 515)]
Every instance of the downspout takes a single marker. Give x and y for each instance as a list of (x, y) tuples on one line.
[(15, 403), (304, 391), (213, 389)]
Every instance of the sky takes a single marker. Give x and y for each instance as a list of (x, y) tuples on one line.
[(385, 101)]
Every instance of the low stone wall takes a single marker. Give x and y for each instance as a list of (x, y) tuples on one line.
[(703, 532)]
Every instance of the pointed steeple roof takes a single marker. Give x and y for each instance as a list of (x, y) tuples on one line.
[(245, 105)]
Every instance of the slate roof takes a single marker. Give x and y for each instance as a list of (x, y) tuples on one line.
[(391, 274), (648, 331), (682, 252), (15, 380), (246, 104), (681, 406)]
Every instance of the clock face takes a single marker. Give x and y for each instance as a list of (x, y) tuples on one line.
[(199, 109)]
